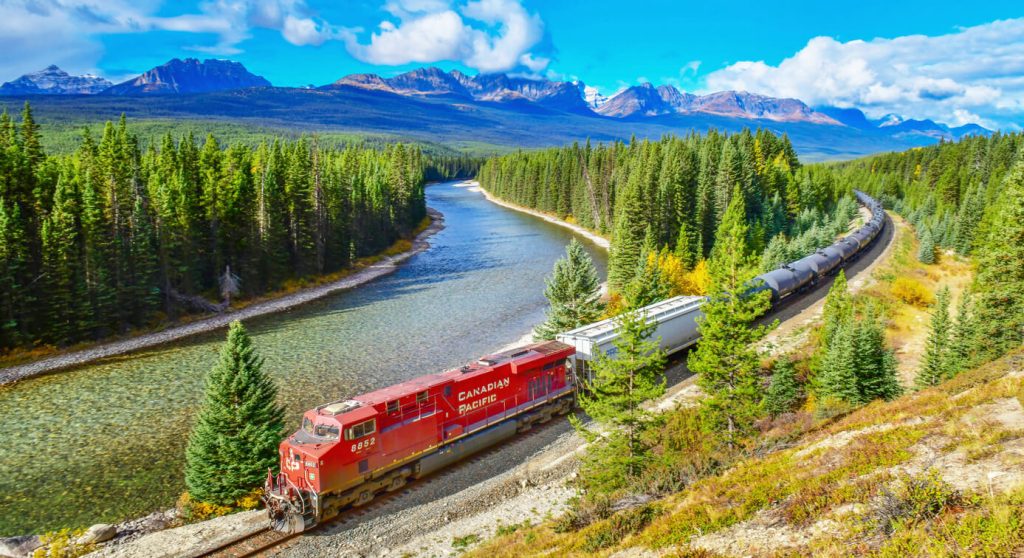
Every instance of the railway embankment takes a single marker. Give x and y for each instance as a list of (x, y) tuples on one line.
[(71, 359)]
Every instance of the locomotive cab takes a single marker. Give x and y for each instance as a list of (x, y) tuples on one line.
[(341, 435)]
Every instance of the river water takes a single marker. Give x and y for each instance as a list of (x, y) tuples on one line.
[(106, 441)]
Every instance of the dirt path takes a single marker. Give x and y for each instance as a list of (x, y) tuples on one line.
[(76, 358)]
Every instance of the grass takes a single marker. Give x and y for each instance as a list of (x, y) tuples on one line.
[(812, 479)]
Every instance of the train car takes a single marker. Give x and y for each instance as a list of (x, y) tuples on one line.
[(677, 329), (348, 451)]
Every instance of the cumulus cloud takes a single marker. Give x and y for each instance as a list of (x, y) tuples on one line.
[(972, 75), (488, 35)]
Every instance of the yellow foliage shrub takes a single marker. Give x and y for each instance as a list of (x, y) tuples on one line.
[(683, 281), (61, 544), (194, 511), (912, 292)]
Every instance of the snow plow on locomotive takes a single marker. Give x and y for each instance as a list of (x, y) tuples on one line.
[(349, 451)]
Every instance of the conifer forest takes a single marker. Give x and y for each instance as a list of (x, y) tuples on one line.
[(115, 237)]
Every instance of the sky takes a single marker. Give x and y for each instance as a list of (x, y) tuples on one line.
[(951, 61)]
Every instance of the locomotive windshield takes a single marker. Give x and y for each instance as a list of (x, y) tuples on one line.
[(324, 431)]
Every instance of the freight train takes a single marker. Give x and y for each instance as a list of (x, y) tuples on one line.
[(346, 452)]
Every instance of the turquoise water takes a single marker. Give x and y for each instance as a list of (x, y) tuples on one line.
[(105, 442)]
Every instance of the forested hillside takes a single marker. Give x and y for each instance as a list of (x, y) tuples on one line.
[(114, 237), (967, 197), (672, 192)]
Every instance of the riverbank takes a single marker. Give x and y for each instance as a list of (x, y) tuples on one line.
[(588, 234), (382, 267)]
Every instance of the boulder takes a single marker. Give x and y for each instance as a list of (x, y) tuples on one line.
[(101, 532), (19, 547)]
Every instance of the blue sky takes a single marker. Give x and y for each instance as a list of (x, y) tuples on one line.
[(952, 61)]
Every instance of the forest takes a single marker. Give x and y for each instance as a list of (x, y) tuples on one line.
[(115, 236), (670, 193)]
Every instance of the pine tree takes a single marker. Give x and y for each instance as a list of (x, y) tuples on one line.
[(648, 285), (784, 392), (725, 360), (837, 378), (875, 364), (999, 282), (573, 292), (935, 364), (235, 439), (629, 235), (962, 338), (622, 383), (926, 251), (838, 308)]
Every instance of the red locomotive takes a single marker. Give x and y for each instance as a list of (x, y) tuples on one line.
[(348, 451)]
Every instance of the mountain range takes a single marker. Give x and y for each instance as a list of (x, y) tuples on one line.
[(564, 109)]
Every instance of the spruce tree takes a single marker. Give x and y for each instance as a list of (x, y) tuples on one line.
[(725, 360), (962, 338), (838, 308), (999, 282), (926, 251), (837, 378), (649, 285), (235, 439), (573, 292), (935, 364), (628, 238), (622, 383), (784, 391), (875, 364)]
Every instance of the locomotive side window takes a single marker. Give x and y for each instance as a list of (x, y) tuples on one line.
[(421, 397), (393, 406), (361, 429)]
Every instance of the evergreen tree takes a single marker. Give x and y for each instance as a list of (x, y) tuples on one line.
[(649, 285), (935, 364), (630, 231), (784, 391), (926, 251), (235, 439), (962, 338), (837, 378), (875, 364), (725, 360), (838, 308), (573, 292), (622, 383), (999, 282)]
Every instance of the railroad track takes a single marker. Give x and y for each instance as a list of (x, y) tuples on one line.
[(267, 542)]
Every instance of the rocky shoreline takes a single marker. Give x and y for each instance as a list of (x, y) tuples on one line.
[(76, 358)]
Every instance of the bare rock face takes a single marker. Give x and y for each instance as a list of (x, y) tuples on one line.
[(190, 76), (101, 532), (19, 547)]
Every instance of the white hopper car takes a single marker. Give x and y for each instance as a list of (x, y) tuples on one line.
[(677, 329)]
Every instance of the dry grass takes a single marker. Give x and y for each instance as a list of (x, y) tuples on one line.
[(906, 288)]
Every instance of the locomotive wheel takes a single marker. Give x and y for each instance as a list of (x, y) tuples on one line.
[(364, 498), (396, 483)]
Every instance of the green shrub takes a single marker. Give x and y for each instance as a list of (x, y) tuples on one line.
[(915, 499)]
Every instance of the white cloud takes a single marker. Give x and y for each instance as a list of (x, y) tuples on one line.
[(972, 75), (488, 35), (36, 33)]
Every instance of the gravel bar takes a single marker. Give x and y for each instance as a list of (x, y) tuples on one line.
[(75, 358)]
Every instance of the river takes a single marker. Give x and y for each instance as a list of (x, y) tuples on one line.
[(106, 441)]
